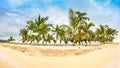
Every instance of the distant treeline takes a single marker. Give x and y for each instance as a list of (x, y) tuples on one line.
[(3, 41)]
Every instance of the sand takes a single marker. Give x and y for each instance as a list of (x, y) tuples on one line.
[(100, 58)]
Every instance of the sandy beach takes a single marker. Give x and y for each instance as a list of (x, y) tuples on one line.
[(59, 34), (106, 56)]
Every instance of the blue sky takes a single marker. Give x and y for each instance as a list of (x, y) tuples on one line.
[(15, 13)]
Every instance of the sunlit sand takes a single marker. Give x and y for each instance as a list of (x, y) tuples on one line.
[(103, 56)]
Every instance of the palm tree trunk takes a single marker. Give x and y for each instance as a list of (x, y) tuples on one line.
[(60, 41), (74, 38), (86, 42), (38, 39), (74, 42)]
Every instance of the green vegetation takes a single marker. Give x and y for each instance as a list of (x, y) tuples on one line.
[(78, 31), (3, 41), (10, 39)]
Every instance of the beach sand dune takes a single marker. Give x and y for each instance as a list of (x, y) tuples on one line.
[(100, 58)]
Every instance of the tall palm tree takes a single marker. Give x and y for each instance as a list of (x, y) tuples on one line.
[(74, 23), (76, 19), (24, 34), (86, 29), (45, 31), (39, 25), (11, 39)]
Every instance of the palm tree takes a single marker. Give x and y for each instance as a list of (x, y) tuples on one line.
[(49, 38), (39, 25), (11, 39), (45, 31), (81, 16), (111, 34), (32, 38), (86, 29), (30, 26), (24, 34), (74, 23), (80, 37), (92, 37), (76, 20), (59, 32), (102, 34)]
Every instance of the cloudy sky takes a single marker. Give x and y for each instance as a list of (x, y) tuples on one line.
[(15, 13)]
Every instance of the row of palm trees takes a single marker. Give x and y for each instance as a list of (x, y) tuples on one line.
[(78, 31)]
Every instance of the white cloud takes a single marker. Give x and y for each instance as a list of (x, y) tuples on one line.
[(56, 16), (93, 2), (15, 3), (117, 38), (11, 23), (104, 14), (7, 31), (11, 14)]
